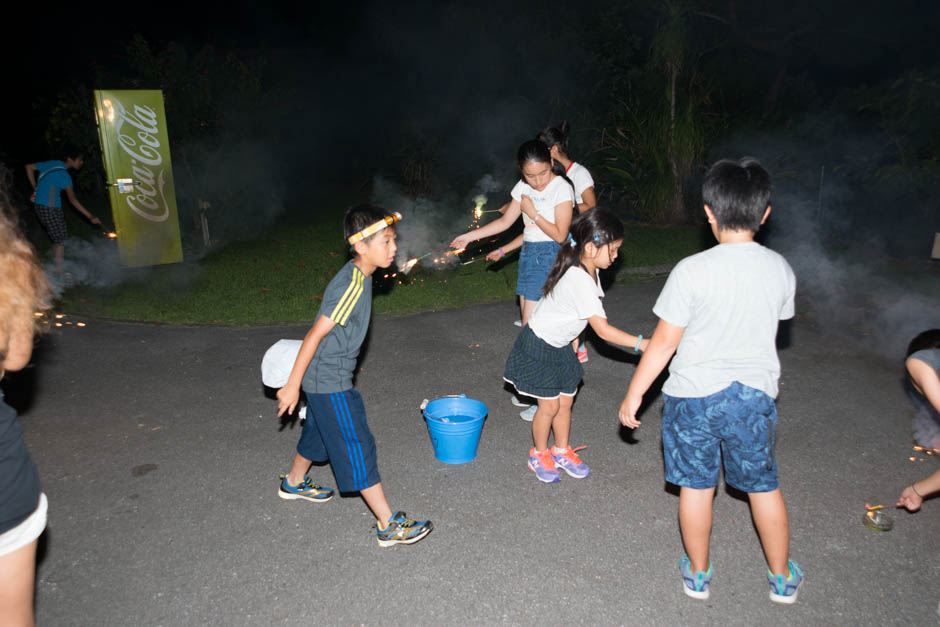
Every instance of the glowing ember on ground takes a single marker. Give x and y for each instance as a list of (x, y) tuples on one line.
[(877, 520)]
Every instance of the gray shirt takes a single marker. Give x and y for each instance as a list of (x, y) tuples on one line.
[(930, 356), (347, 301), (729, 299)]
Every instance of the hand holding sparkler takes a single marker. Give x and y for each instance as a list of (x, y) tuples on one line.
[(912, 497), (461, 241)]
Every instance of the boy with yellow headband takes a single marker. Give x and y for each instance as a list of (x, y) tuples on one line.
[(336, 429)]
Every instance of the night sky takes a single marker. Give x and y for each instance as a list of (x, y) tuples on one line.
[(472, 78)]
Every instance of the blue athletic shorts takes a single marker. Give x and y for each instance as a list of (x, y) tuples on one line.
[(738, 423), (336, 431), (535, 262)]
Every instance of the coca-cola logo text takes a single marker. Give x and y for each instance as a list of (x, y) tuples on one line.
[(142, 146)]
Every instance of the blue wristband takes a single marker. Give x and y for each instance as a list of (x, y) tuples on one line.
[(639, 340)]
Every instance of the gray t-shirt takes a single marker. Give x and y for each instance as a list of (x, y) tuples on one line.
[(347, 301), (930, 356), (729, 299)]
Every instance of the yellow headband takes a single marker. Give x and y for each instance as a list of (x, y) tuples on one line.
[(375, 228)]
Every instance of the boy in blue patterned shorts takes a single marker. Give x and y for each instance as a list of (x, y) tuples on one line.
[(336, 429), (719, 313)]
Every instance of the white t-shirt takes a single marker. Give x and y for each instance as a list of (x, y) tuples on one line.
[(561, 316), (581, 178), (730, 299), (556, 192)]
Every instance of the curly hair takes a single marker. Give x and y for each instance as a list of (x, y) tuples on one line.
[(25, 294)]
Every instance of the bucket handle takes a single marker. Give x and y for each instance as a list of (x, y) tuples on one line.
[(425, 402)]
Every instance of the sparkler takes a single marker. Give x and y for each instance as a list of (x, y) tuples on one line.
[(411, 262), (478, 210)]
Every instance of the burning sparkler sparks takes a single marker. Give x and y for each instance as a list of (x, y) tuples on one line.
[(441, 259), (478, 209)]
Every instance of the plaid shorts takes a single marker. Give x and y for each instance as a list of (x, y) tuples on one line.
[(737, 424), (52, 220), (536, 368)]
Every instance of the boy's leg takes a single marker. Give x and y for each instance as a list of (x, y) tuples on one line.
[(695, 524), (59, 255), (392, 528), (773, 527), (298, 469), (374, 496)]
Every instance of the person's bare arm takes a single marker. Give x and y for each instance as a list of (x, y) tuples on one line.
[(558, 230), (926, 381), (588, 200), (660, 350), (913, 495), (70, 193), (505, 249), (495, 227), (610, 333), (288, 395), (31, 174)]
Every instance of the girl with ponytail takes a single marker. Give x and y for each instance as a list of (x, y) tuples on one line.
[(542, 364)]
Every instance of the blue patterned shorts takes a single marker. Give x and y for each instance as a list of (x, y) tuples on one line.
[(738, 423)]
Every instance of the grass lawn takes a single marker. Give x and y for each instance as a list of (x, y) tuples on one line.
[(281, 276)]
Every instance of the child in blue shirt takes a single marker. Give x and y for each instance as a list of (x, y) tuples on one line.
[(54, 179)]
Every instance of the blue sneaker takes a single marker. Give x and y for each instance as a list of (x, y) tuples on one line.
[(784, 590), (306, 490), (403, 530), (518, 402), (696, 584), (568, 460), (528, 414), (543, 466)]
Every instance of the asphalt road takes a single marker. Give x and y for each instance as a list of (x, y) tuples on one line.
[(159, 451)]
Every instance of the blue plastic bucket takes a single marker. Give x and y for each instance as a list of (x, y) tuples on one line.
[(455, 423)]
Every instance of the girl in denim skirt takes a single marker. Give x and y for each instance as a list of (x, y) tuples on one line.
[(545, 201)]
